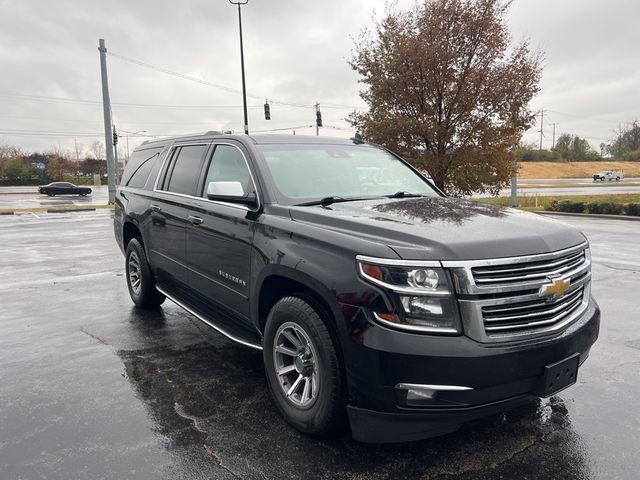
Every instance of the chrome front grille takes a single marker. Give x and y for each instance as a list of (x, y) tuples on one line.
[(512, 298), (526, 272), (516, 318)]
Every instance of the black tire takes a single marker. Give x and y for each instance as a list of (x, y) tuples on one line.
[(144, 293), (326, 414), (617, 179)]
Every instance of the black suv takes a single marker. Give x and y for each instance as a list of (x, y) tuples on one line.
[(371, 294)]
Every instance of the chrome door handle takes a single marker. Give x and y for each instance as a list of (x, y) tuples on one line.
[(196, 220), (155, 208)]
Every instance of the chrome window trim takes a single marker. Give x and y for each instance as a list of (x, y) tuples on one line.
[(193, 197)]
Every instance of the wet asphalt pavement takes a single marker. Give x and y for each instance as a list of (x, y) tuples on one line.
[(92, 388)]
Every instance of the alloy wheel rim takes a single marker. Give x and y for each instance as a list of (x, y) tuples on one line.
[(135, 279), (296, 365)]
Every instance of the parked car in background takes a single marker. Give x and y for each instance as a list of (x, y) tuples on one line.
[(610, 175), (63, 188)]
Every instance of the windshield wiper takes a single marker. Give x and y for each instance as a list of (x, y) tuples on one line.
[(326, 201), (403, 194)]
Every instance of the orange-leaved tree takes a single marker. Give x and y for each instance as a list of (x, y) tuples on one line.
[(448, 90)]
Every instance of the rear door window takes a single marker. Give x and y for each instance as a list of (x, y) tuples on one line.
[(185, 169)]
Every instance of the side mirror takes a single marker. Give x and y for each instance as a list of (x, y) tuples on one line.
[(229, 192)]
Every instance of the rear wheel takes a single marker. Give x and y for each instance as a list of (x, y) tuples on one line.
[(140, 279), (302, 367)]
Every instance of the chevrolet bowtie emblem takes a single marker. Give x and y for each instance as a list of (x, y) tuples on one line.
[(555, 289)]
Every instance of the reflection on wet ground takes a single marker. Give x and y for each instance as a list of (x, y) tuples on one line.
[(93, 388), (212, 398)]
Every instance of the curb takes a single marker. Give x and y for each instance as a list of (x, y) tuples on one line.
[(591, 215), (20, 211), (71, 210)]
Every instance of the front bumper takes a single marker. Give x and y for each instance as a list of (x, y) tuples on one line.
[(501, 376)]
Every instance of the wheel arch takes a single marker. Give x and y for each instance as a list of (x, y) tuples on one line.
[(278, 281), (130, 230)]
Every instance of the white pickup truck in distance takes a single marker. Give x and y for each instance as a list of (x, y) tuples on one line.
[(610, 175)]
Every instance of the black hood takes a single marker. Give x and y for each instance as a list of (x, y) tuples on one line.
[(438, 228)]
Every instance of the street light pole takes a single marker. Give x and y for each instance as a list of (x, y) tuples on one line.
[(244, 86)]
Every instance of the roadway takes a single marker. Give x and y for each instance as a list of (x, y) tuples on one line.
[(28, 197), (573, 186)]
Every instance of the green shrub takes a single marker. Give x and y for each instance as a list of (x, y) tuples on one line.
[(570, 206), (605, 208), (633, 209)]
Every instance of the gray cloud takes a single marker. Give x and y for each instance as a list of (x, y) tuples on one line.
[(295, 51)]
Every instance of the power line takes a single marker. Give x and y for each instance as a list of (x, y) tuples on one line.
[(583, 117), (225, 88), (282, 129), (118, 104)]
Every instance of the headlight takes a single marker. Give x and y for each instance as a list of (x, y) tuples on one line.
[(422, 294)]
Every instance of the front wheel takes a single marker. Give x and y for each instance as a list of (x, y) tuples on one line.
[(140, 279), (303, 368)]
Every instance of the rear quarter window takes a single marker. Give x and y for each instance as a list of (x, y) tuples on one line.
[(139, 167)]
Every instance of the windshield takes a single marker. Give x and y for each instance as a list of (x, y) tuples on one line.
[(304, 173)]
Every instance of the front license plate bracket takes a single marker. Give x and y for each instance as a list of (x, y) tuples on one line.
[(558, 376)]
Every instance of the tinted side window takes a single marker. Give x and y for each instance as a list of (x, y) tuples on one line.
[(228, 165), (186, 169), (139, 166)]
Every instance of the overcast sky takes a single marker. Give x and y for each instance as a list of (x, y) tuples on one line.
[(295, 52)]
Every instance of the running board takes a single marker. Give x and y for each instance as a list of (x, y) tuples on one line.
[(208, 322)]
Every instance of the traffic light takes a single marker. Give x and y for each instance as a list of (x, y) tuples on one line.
[(115, 136), (318, 116), (267, 111)]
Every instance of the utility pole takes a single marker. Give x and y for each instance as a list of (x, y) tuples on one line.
[(244, 86), (554, 135), (514, 184), (108, 136), (541, 125)]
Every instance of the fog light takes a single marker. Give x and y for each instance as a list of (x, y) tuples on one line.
[(422, 394)]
